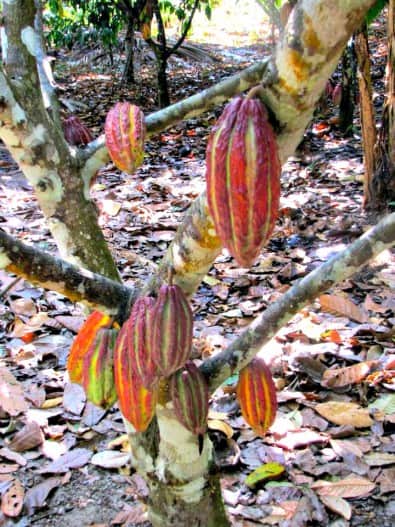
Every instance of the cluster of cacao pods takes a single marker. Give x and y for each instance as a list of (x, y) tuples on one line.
[(243, 178), (153, 343), (124, 131), (256, 393)]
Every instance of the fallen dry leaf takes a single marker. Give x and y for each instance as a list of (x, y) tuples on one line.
[(110, 459), (345, 414), (354, 374), (352, 487), (36, 496), (12, 399), (30, 436), (341, 305), (76, 458), (338, 505), (12, 499)]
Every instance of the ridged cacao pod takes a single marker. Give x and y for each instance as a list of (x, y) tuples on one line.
[(256, 394), (136, 402), (75, 132), (98, 369), (189, 394), (172, 326), (82, 343), (135, 335), (243, 178), (125, 134), (337, 94)]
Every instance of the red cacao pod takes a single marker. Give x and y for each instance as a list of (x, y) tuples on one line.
[(189, 394), (243, 178), (172, 326), (75, 132), (125, 134), (136, 402), (135, 334), (98, 369), (256, 394), (82, 343)]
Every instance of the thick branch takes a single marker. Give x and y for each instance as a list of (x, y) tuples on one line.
[(193, 105), (264, 327), (49, 272)]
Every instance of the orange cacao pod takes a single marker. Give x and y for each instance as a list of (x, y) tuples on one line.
[(243, 178), (135, 336), (98, 369), (82, 343), (125, 133), (189, 394), (75, 132), (136, 402), (172, 326), (256, 394)]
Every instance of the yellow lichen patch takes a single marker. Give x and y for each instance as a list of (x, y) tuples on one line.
[(298, 65), (310, 39)]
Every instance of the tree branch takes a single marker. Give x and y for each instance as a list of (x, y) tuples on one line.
[(184, 33), (193, 105), (55, 274), (242, 350)]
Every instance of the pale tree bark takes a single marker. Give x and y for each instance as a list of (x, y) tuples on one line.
[(317, 31), (31, 131)]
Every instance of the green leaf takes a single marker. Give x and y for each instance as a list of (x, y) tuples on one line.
[(375, 10), (263, 473), (385, 403)]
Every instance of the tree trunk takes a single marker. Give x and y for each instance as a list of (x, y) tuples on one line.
[(178, 470), (163, 87), (382, 185), (30, 131), (128, 71), (368, 125), (347, 102)]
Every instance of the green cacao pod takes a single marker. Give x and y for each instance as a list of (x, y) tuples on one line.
[(125, 134), (189, 394), (172, 326), (135, 336), (136, 402), (256, 394), (243, 178), (82, 343), (98, 369)]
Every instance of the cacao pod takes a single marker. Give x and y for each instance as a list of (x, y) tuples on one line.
[(136, 402), (243, 178), (337, 94), (189, 394), (98, 369), (135, 336), (256, 394), (75, 132), (125, 133), (172, 326), (82, 343)]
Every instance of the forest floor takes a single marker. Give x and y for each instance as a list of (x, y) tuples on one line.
[(334, 437)]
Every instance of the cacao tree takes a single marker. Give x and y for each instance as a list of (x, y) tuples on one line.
[(173, 453)]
